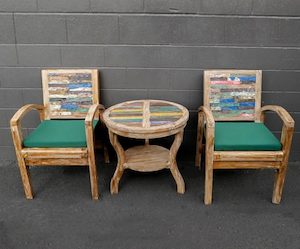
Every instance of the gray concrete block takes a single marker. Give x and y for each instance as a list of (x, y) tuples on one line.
[(38, 55), (18, 5), (262, 31), (31, 120), (40, 28), (132, 56), (8, 55), (112, 97), (11, 98), (147, 78), (171, 30), (6, 139), (6, 115), (202, 57), (20, 77), (7, 153), (186, 79), (180, 97), (32, 96), (113, 78), (82, 56), (171, 6), (135, 79), (289, 101), (276, 7), (225, 7), (93, 29), (64, 5), (116, 6), (281, 81), (7, 33), (222, 57), (274, 123), (196, 100)]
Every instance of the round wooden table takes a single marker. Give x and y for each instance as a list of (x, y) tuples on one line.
[(146, 119)]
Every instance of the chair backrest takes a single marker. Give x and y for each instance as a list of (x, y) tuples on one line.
[(233, 95), (68, 93)]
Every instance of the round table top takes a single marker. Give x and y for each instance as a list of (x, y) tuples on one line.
[(145, 117)]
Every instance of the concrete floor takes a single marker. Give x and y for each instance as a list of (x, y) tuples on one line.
[(147, 212)]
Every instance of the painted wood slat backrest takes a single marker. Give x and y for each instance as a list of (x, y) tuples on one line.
[(68, 93), (233, 95)]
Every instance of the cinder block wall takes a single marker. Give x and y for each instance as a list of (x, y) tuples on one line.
[(149, 49)]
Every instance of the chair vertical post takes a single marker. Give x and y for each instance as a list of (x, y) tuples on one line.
[(286, 140), (209, 154), (91, 160), (24, 171)]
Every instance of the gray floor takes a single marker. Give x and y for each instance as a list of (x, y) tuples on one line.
[(148, 213)]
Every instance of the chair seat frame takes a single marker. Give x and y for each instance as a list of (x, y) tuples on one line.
[(277, 160)]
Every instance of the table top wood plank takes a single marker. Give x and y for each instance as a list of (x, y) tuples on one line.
[(146, 117)]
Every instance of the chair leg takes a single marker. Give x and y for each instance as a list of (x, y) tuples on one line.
[(208, 184), (105, 154), (93, 177), (278, 184), (25, 175)]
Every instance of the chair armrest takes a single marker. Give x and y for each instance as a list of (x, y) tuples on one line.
[(209, 131), (286, 118), (15, 120), (210, 121), (287, 129), (92, 112)]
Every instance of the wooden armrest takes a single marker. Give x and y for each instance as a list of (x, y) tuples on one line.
[(92, 112), (282, 113), (210, 121), (15, 120)]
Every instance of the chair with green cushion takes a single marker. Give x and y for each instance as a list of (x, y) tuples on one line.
[(232, 123), (68, 117)]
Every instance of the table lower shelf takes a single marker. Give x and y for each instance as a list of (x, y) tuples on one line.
[(147, 158)]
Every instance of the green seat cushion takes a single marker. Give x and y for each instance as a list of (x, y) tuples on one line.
[(58, 134), (244, 136)]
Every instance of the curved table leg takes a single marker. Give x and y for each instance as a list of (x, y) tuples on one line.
[(173, 166), (114, 184)]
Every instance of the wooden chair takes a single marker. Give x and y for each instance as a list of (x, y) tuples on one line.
[(232, 121), (68, 117)]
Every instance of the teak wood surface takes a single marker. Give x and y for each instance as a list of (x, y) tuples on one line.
[(58, 156), (277, 160), (146, 119)]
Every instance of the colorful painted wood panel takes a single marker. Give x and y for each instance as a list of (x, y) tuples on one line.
[(163, 113), (130, 114), (146, 114), (70, 93), (232, 95)]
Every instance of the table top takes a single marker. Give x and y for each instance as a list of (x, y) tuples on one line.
[(145, 117)]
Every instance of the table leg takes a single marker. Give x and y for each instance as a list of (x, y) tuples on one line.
[(114, 184), (173, 166)]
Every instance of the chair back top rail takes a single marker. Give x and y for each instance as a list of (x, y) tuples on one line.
[(69, 93), (233, 95)]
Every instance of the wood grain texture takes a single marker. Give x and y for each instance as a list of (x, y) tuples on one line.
[(277, 160), (286, 141), (68, 93), (61, 156), (233, 94), (147, 158), (146, 119)]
